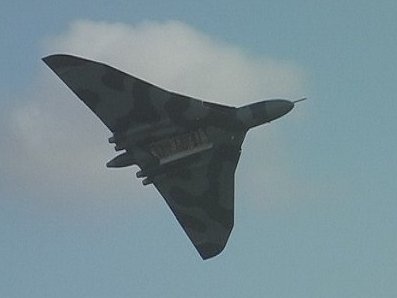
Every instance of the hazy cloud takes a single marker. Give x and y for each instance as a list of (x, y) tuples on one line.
[(178, 57), (63, 144)]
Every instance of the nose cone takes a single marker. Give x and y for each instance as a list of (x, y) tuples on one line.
[(276, 108), (264, 111)]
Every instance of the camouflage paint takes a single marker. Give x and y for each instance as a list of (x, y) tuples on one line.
[(187, 148)]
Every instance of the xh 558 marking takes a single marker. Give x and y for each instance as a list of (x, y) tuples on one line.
[(187, 148)]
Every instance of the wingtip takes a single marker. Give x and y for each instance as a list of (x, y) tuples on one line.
[(210, 250), (53, 56), (47, 58), (57, 61), (51, 59)]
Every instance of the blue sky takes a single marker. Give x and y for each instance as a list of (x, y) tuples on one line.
[(315, 190)]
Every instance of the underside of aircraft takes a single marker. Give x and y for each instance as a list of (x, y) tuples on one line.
[(186, 147)]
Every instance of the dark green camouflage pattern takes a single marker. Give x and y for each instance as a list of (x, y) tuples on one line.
[(187, 148)]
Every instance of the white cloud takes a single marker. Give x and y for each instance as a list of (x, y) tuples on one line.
[(64, 145), (178, 57)]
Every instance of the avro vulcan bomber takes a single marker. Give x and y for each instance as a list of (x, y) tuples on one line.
[(186, 147)]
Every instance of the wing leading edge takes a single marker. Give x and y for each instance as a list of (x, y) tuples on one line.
[(120, 100)]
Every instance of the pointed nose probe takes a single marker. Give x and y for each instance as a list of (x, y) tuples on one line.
[(299, 100)]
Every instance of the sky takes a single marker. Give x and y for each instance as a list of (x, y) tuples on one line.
[(315, 198)]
